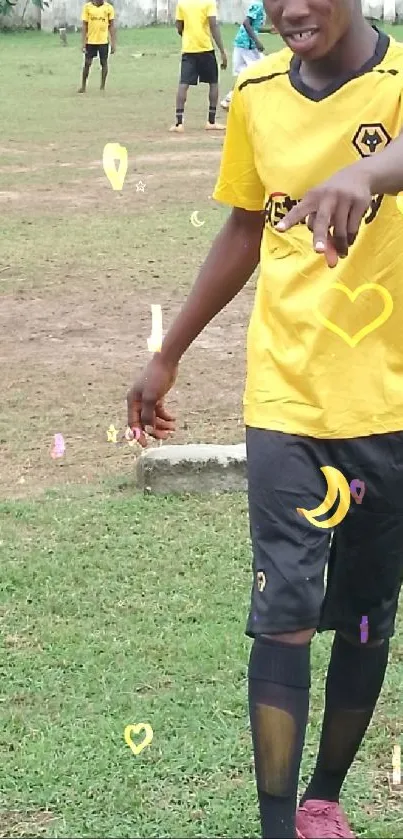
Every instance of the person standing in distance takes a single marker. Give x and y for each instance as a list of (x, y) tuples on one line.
[(247, 46), (311, 167), (196, 23), (98, 30)]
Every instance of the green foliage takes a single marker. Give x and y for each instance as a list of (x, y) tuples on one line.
[(7, 5)]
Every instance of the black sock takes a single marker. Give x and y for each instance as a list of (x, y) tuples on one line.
[(179, 116), (354, 681), (211, 115), (279, 679)]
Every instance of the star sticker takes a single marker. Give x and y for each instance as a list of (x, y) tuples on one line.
[(112, 434), (140, 187)]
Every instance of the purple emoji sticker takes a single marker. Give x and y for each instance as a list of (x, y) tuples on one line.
[(357, 489)]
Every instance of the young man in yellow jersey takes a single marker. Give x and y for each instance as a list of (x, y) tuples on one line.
[(312, 164), (196, 23), (98, 29)]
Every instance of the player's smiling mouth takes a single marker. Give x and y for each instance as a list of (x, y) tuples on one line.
[(301, 41)]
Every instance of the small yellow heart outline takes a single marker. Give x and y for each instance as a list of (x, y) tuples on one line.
[(135, 729), (352, 295)]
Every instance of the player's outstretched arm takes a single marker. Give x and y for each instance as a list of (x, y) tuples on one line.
[(112, 35), (335, 209), (216, 36), (231, 262), (84, 34), (252, 34)]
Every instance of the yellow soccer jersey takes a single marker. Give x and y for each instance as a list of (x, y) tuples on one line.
[(325, 346), (196, 31), (98, 19)]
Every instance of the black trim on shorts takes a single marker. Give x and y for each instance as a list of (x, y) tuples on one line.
[(199, 67)]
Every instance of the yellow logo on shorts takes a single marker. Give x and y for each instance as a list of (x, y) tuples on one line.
[(261, 580), (337, 487)]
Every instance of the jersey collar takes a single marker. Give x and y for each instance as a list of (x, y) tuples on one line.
[(317, 95)]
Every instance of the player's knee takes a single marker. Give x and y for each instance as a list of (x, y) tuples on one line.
[(104, 65), (304, 636)]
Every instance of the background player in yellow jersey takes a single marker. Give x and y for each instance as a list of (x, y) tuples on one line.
[(196, 22), (98, 28), (312, 164)]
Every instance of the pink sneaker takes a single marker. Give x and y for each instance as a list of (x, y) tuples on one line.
[(322, 820)]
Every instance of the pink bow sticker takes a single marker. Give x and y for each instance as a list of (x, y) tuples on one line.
[(59, 446), (132, 435)]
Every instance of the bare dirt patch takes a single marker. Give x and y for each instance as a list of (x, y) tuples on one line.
[(73, 333), (16, 824)]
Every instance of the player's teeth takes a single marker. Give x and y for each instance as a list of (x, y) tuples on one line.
[(303, 35)]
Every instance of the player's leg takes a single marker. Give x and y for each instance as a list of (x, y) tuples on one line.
[(208, 74), (188, 76), (365, 576), (237, 66), (241, 58), (103, 58), (289, 558), (88, 59)]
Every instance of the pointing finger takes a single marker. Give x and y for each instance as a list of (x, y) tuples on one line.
[(354, 220), (296, 215), (322, 223), (340, 227)]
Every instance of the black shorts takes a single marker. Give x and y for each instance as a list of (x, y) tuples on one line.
[(365, 555), (199, 67), (92, 50)]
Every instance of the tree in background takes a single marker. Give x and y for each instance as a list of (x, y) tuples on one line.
[(7, 5)]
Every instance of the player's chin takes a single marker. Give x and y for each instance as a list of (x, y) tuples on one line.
[(311, 46)]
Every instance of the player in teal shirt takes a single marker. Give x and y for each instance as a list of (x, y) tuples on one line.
[(247, 46)]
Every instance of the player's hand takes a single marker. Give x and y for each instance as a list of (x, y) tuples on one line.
[(224, 60), (84, 49), (145, 408), (260, 46), (333, 211), (113, 50)]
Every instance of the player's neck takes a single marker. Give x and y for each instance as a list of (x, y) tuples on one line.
[(355, 48)]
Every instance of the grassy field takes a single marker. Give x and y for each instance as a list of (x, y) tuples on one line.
[(115, 608)]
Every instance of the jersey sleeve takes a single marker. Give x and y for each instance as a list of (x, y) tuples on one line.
[(211, 8), (84, 14), (111, 13), (179, 12), (238, 183)]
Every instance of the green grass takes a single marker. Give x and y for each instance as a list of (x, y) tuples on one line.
[(118, 609), (115, 608)]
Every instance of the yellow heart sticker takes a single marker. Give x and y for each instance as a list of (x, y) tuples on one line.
[(112, 152), (352, 295), (136, 729)]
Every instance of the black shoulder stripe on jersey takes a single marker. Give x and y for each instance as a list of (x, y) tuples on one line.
[(262, 79)]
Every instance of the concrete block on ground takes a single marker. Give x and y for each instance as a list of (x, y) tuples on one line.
[(194, 468)]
